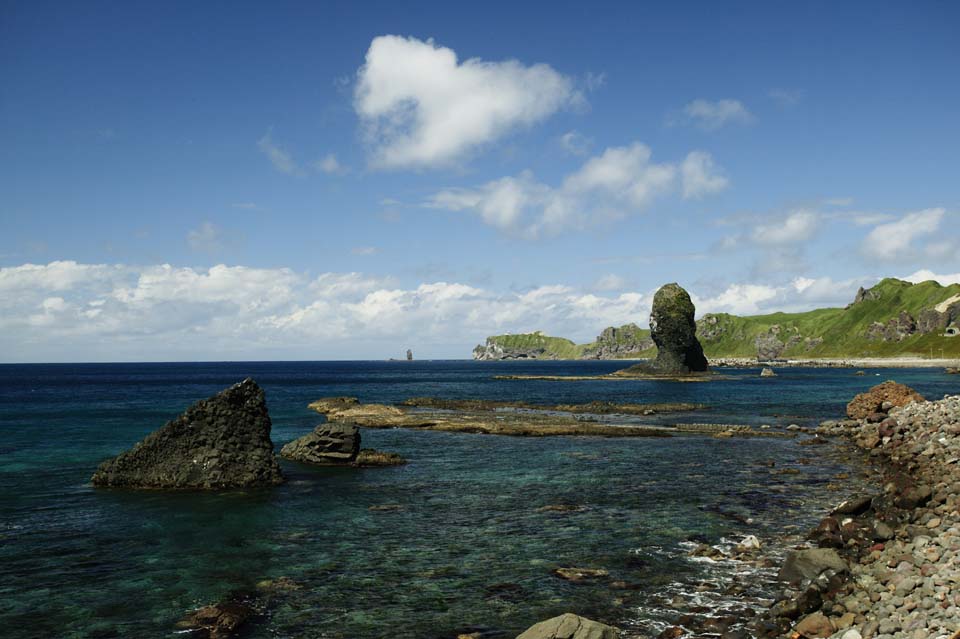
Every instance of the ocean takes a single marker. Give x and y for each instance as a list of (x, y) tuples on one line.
[(456, 541)]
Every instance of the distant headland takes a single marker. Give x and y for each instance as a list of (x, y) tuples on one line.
[(894, 319)]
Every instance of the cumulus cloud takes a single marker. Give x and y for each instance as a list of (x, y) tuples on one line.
[(606, 187), (895, 240), (421, 107), (926, 274), (700, 176), (794, 228), (79, 312), (799, 294), (714, 115)]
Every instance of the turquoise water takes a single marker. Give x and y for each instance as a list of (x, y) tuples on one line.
[(462, 544)]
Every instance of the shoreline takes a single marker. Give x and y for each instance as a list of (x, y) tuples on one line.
[(890, 557), (838, 362)]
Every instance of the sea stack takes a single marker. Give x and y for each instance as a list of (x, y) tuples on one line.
[(674, 331), (221, 442)]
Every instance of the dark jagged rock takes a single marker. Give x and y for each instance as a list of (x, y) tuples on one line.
[(220, 442), (329, 443), (674, 331)]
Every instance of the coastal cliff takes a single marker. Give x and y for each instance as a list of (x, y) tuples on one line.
[(892, 319), (624, 342)]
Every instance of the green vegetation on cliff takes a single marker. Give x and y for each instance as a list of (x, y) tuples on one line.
[(893, 318)]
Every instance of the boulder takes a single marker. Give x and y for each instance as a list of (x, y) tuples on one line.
[(865, 404), (329, 443), (218, 621), (220, 442), (806, 564), (766, 371), (674, 332), (815, 626), (569, 626)]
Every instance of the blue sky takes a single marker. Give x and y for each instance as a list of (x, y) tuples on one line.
[(321, 180)]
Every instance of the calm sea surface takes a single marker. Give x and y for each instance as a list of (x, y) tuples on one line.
[(463, 547)]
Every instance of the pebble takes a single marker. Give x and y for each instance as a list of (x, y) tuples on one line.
[(906, 584)]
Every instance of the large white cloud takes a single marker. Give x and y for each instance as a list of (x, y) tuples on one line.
[(895, 240), (78, 312), (421, 107), (608, 186), (65, 311)]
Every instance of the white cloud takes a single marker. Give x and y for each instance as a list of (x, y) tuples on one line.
[(925, 274), (364, 250), (796, 227), (895, 240), (422, 108), (208, 238), (800, 294), (279, 157), (606, 187), (330, 165), (610, 282), (713, 115), (700, 176), (575, 143), (121, 312)]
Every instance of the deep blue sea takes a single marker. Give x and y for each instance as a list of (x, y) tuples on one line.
[(462, 546)]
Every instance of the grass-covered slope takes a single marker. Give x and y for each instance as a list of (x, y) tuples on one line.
[(837, 332)]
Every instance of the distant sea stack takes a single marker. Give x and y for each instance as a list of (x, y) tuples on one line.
[(674, 331), (220, 442)]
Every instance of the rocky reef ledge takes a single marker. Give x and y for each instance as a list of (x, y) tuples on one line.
[(518, 419), (885, 565)]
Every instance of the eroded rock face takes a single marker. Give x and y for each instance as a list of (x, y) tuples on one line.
[(220, 442), (674, 331), (888, 393), (569, 626), (329, 443)]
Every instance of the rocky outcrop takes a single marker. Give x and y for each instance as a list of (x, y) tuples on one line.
[(880, 399), (674, 331), (329, 443), (570, 626), (621, 342), (766, 371), (220, 442), (895, 329), (769, 347), (337, 443)]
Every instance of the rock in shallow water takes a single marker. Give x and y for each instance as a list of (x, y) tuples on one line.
[(330, 443), (220, 442), (674, 331), (569, 626)]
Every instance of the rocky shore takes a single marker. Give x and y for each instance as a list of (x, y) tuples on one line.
[(884, 564)]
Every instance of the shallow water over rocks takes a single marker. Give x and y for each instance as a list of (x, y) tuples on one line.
[(460, 539)]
